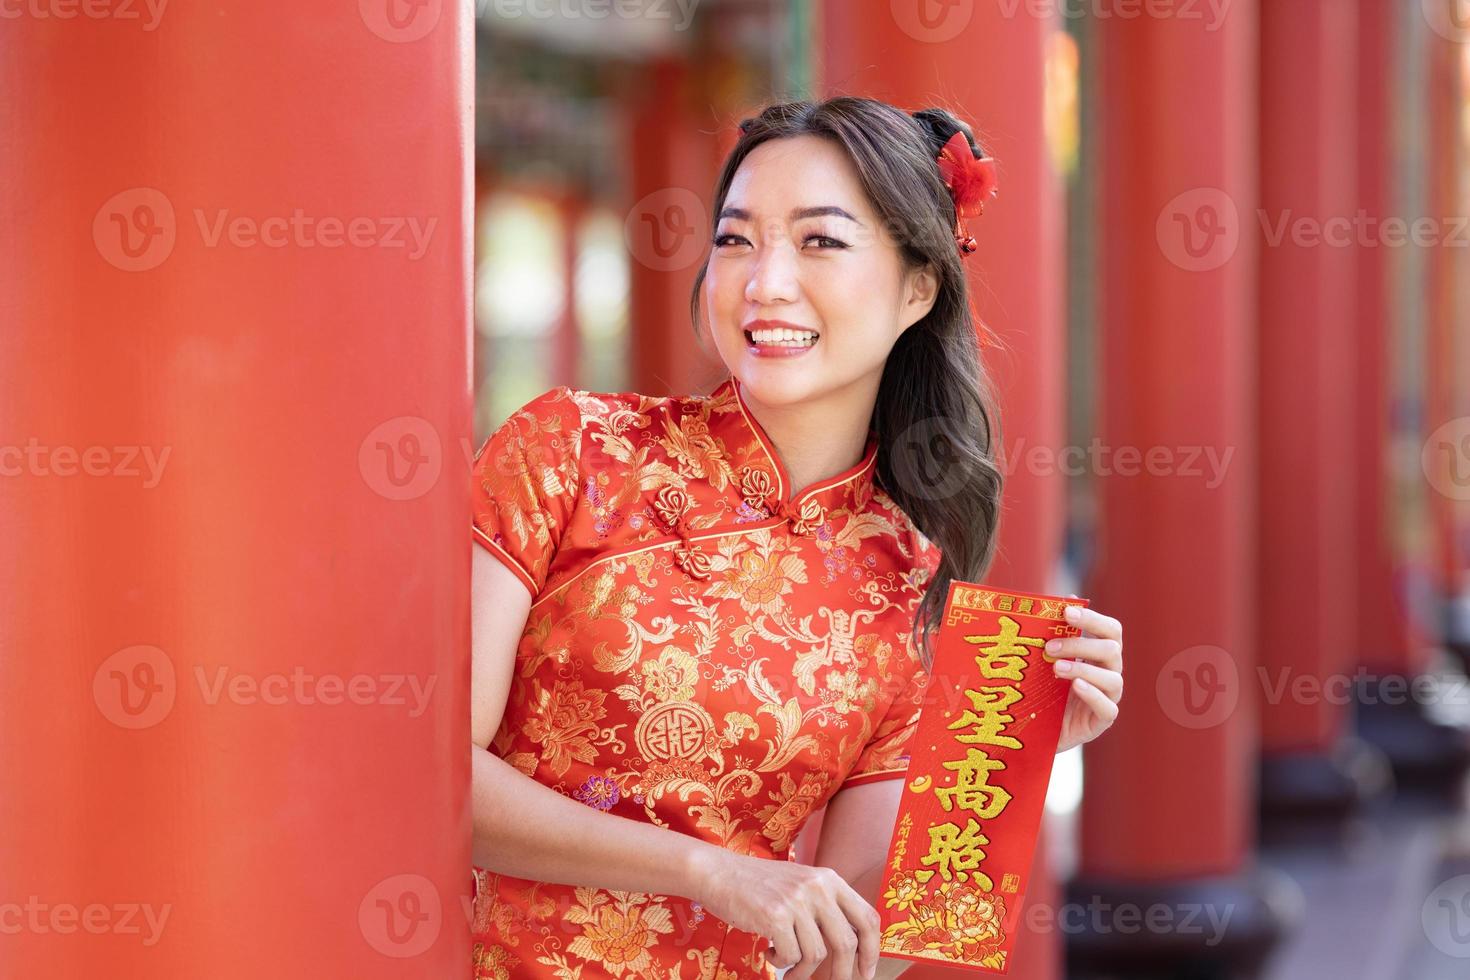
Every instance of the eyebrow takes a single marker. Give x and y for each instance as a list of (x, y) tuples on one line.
[(795, 215)]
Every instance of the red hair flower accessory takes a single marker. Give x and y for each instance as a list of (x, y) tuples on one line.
[(971, 182)]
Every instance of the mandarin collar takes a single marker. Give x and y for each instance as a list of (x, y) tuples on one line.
[(766, 477)]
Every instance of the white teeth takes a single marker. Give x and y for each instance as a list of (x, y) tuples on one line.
[(784, 335)]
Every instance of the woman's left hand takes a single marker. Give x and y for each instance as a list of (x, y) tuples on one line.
[(1094, 662)]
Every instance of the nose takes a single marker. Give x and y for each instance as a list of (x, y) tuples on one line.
[(772, 275)]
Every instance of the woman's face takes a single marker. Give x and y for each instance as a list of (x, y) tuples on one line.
[(835, 272)]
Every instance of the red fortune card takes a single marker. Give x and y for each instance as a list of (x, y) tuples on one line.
[(980, 761)]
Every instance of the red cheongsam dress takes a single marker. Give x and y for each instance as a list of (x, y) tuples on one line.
[(706, 651)]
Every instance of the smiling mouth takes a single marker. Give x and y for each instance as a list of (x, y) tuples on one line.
[(798, 339)]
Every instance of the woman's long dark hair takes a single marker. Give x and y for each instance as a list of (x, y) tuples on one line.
[(934, 413)]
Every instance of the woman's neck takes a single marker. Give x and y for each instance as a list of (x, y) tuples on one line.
[(818, 439)]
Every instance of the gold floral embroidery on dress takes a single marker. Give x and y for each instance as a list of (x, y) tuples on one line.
[(709, 649)]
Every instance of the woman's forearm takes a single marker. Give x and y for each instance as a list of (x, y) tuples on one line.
[(527, 830)]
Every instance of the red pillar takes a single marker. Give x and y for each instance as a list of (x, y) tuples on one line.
[(1446, 434), (1385, 641), (236, 632), (667, 229), (1169, 806), (1309, 465), (1393, 641), (567, 346), (989, 68)]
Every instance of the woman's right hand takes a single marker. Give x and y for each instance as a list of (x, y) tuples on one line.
[(808, 913)]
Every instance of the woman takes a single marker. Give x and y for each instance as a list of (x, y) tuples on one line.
[(698, 620)]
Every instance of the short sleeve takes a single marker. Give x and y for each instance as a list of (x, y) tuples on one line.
[(886, 754), (525, 481)]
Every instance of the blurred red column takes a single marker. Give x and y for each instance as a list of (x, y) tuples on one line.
[(1168, 811), (667, 228), (987, 63), (1446, 449), (1384, 629), (571, 208), (1309, 465), (1392, 641), (235, 357)]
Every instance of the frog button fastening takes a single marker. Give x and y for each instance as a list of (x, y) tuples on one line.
[(806, 519), (755, 488), (694, 562), (671, 508)]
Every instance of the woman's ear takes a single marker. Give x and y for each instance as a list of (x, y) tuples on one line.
[(921, 289)]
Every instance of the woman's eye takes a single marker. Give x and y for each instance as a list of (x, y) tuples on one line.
[(824, 241)]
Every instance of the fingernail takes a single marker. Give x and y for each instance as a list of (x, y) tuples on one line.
[(1063, 666), (1073, 612), (1052, 645)]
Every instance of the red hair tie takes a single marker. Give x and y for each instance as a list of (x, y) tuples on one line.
[(971, 182)]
